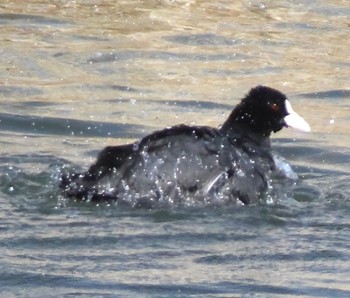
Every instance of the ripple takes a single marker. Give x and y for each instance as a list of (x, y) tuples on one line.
[(65, 126), (29, 19), (329, 94), (131, 55), (203, 40)]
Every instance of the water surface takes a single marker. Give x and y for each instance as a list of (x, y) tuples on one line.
[(80, 75)]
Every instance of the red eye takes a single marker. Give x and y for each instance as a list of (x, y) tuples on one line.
[(274, 107)]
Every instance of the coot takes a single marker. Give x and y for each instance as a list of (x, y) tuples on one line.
[(193, 163)]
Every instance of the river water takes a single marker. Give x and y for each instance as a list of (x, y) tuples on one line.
[(76, 76)]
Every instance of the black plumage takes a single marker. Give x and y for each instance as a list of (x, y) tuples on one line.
[(183, 164)]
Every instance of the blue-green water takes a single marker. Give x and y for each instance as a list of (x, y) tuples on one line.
[(77, 77)]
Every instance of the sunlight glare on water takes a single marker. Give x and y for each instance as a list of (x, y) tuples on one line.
[(77, 76)]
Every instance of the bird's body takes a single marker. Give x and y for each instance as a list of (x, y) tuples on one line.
[(192, 163)]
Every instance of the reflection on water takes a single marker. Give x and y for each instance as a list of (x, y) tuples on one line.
[(79, 75)]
